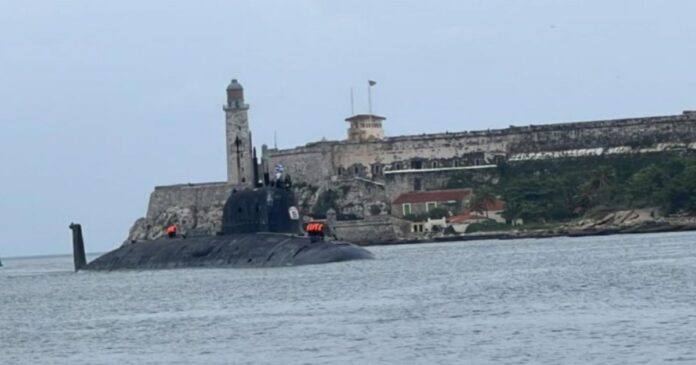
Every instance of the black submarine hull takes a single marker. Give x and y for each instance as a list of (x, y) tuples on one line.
[(225, 251), (260, 228)]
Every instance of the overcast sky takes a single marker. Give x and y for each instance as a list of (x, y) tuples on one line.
[(102, 100)]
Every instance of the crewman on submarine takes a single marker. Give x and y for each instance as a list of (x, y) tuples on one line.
[(171, 230), (317, 230)]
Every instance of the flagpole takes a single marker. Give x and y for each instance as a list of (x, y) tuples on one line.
[(369, 97), (352, 103)]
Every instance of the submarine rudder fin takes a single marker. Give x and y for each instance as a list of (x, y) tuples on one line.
[(79, 257)]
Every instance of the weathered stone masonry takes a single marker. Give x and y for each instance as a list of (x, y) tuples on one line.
[(323, 162)]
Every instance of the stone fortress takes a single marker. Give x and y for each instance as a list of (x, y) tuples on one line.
[(373, 169)]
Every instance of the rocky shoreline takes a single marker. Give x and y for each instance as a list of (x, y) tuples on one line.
[(621, 222), (509, 235)]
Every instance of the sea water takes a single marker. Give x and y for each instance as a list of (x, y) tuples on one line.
[(594, 300)]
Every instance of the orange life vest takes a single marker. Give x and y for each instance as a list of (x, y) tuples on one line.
[(314, 227)]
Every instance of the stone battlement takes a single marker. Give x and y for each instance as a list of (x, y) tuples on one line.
[(606, 123), (201, 195), (326, 161)]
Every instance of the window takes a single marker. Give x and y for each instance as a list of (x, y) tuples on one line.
[(397, 166), (417, 184), (357, 170), (430, 206), (340, 171), (376, 169), (406, 208), (435, 164)]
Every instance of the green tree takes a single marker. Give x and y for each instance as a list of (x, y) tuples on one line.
[(540, 197), (647, 186), (681, 195), (596, 189), (482, 199)]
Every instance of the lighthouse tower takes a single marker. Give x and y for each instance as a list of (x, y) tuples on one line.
[(240, 169)]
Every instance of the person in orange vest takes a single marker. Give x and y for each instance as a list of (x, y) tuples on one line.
[(171, 230), (315, 231), (318, 230)]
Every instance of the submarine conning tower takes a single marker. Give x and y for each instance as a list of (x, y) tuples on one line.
[(267, 209)]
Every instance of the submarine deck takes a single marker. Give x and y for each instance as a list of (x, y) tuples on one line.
[(234, 250)]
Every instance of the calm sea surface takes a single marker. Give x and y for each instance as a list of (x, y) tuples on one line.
[(600, 300)]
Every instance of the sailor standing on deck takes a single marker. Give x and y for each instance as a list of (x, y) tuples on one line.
[(171, 230), (315, 231), (318, 230)]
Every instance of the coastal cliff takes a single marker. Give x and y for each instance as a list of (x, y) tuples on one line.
[(194, 208)]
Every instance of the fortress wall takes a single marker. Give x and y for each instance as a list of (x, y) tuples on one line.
[(394, 150), (187, 195), (310, 165), (678, 128), (319, 162), (366, 231)]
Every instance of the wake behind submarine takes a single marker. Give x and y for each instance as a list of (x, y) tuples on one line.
[(260, 228)]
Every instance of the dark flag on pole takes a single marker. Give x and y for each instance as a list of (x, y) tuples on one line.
[(370, 84)]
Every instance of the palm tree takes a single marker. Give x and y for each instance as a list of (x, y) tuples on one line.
[(482, 199), (594, 189)]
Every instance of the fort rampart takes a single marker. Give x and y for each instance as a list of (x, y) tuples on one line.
[(326, 161), (187, 195)]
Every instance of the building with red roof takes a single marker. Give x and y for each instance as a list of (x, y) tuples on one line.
[(420, 202)]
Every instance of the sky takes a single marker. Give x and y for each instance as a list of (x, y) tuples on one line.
[(100, 101)]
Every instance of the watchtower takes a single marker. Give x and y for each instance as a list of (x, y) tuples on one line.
[(239, 148), (365, 127)]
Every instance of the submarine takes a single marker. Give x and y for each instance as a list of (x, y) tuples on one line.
[(260, 228)]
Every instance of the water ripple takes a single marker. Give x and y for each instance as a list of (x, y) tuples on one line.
[(595, 300)]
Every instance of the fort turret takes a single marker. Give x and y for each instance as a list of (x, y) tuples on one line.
[(365, 127), (240, 168)]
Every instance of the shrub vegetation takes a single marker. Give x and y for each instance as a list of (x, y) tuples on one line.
[(559, 190)]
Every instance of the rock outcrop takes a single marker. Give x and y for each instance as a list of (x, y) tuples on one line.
[(189, 220), (197, 209), (194, 208)]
